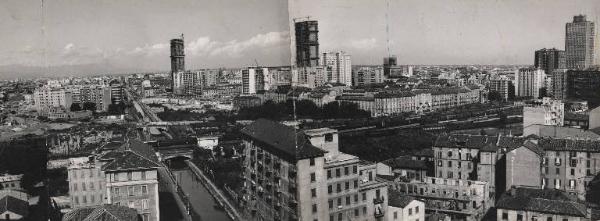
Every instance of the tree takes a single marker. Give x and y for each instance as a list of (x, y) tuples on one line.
[(75, 107), (89, 106)]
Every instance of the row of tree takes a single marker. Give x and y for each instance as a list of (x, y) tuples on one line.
[(302, 109)]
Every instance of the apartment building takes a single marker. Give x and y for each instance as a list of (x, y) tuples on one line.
[(523, 203), (46, 98), (459, 199), (403, 207), (295, 174), (548, 112), (126, 176)]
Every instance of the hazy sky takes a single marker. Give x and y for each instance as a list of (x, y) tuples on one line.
[(443, 32), (136, 34)]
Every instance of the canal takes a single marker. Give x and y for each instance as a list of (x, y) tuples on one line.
[(200, 199)]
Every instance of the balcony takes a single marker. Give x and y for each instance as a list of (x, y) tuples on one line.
[(378, 213), (378, 200)]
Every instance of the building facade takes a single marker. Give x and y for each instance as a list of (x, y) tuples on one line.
[(549, 59), (529, 82), (579, 43), (583, 85), (177, 58), (45, 98), (341, 67), (307, 43)]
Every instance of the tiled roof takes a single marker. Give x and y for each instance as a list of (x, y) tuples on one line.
[(569, 145), (130, 160), (15, 205), (547, 201), (355, 98), (281, 140), (394, 94), (398, 200), (405, 162), (483, 142), (104, 212)]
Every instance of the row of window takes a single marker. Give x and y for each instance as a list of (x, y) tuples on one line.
[(533, 218), (440, 164), (338, 186), (339, 202), (81, 173), (90, 186), (135, 204), (340, 216), (338, 171), (84, 200), (131, 190), (410, 212)]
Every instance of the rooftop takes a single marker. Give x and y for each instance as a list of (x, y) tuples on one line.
[(547, 201), (284, 141)]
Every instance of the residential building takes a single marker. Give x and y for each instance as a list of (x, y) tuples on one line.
[(523, 203), (10, 182), (125, 176), (341, 67), (583, 85), (548, 112), (503, 86), (45, 98), (307, 43), (529, 82), (13, 208), (559, 84), (523, 166), (292, 174), (404, 168), (177, 58), (549, 60), (579, 43), (253, 80), (403, 207), (366, 75)]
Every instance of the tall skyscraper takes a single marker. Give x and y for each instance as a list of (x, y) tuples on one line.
[(177, 58), (579, 43), (253, 79), (549, 59), (307, 43), (530, 82), (341, 67), (389, 62), (583, 85)]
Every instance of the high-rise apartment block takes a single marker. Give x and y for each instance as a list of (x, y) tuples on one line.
[(45, 98), (341, 67), (583, 85), (503, 86), (307, 43), (293, 174), (549, 59), (253, 79), (529, 82), (559, 84), (367, 75), (177, 58), (579, 43)]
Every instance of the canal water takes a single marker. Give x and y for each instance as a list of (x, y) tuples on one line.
[(200, 199)]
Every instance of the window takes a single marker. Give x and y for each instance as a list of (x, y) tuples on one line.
[(313, 177), (330, 204), (144, 189), (76, 200), (449, 163), (84, 199), (365, 210), (328, 174), (519, 217), (129, 176), (144, 204), (83, 187), (355, 184), (557, 171), (339, 188), (329, 189), (354, 169), (395, 215), (337, 172), (339, 217), (557, 161), (143, 175), (116, 191), (356, 212), (91, 186), (75, 186), (504, 215), (440, 163), (347, 200), (346, 171), (92, 199), (572, 172), (549, 219), (328, 137), (417, 210), (131, 204), (313, 192), (130, 190), (347, 185), (410, 211), (356, 198), (339, 201), (450, 175), (364, 196), (312, 161)]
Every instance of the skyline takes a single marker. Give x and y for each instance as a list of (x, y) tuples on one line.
[(119, 37)]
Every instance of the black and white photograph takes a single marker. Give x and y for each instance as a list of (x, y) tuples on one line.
[(299, 110)]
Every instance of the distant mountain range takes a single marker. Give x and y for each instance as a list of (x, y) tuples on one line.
[(8, 72)]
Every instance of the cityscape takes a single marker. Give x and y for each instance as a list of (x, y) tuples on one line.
[(300, 110)]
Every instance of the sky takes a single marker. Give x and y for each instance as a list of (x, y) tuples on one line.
[(135, 34), (443, 32), (91, 36)]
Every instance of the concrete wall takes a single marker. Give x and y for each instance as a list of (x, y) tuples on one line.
[(522, 168)]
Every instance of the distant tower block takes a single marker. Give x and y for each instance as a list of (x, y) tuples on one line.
[(307, 43), (177, 55)]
